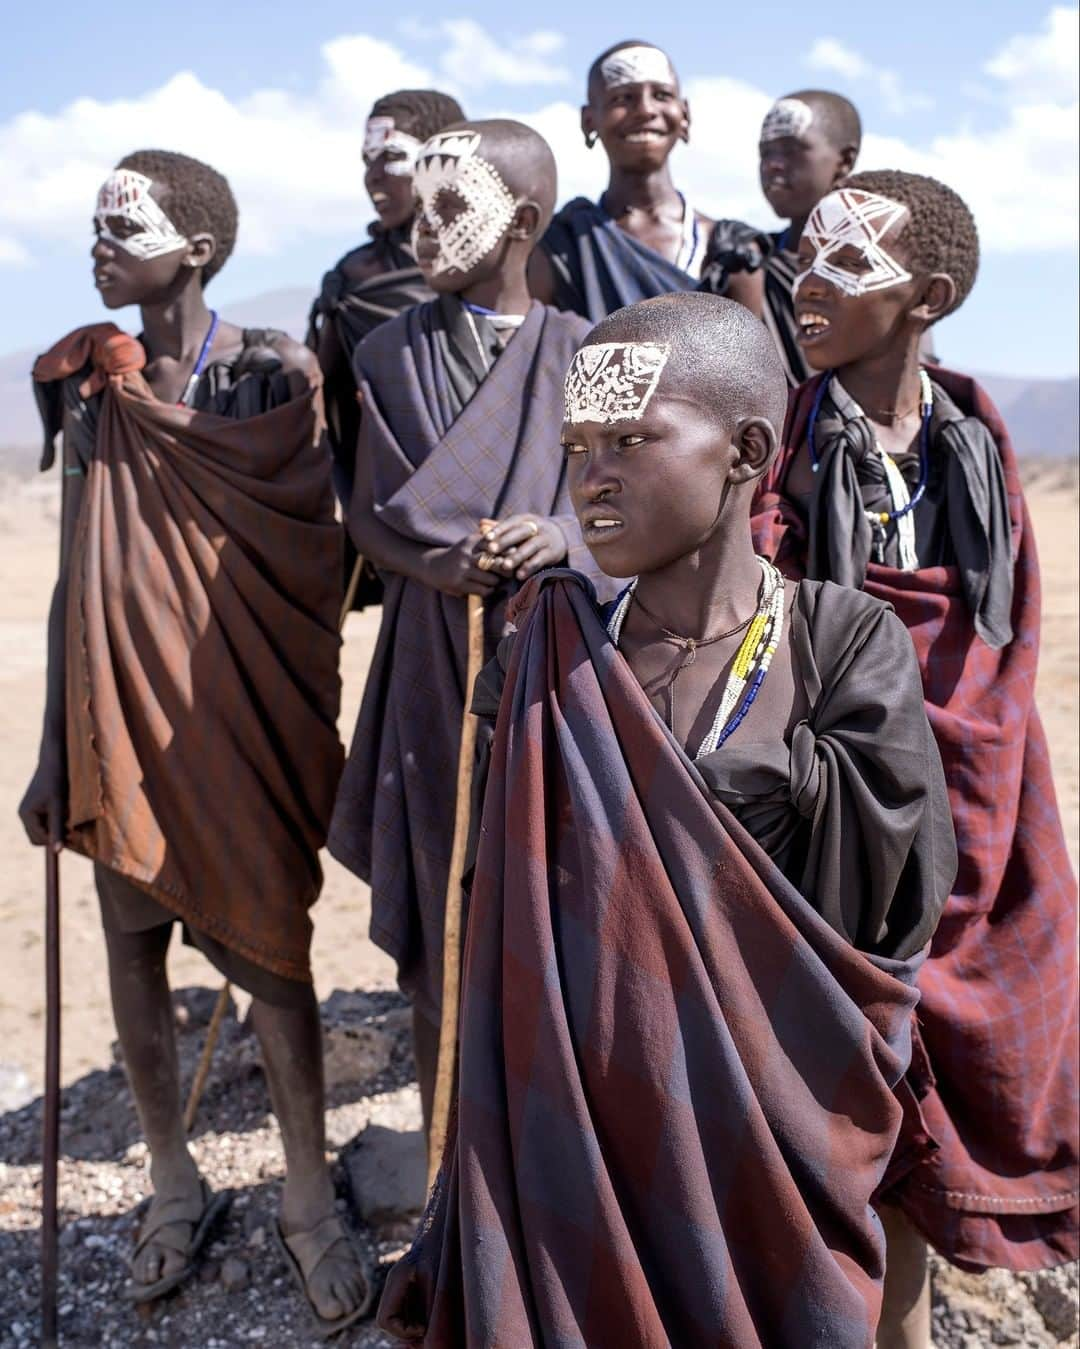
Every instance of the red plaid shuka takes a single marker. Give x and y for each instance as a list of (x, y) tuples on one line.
[(987, 1160), (675, 1090)]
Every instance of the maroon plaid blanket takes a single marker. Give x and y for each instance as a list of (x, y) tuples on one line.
[(676, 1079), (996, 1068)]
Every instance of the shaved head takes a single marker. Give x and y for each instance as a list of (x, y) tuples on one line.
[(598, 78), (835, 117), (720, 356), (523, 159)]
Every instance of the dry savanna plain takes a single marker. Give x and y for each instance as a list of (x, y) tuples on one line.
[(344, 958)]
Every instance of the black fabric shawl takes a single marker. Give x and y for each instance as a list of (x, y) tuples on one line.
[(737, 247), (599, 268), (963, 518), (854, 810)]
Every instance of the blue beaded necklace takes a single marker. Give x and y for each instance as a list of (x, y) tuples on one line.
[(926, 408), (200, 365)]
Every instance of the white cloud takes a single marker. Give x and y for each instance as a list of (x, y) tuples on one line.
[(1045, 66), (830, 55), (293, 157), (474, 59), (12, 253)]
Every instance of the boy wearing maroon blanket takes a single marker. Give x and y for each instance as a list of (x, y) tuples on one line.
[(713, 850), (901, 481)]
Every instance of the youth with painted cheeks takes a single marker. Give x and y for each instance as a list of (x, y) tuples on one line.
[(461, 403), (713, 849), (809, 142), (898, 479), (643, 237)]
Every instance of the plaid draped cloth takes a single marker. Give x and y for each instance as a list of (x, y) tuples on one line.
[(675, 1091), (599, 268), (986, 1167), (202, 683), (435, 477)]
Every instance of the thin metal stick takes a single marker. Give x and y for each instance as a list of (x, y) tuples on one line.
[(50, 1150)]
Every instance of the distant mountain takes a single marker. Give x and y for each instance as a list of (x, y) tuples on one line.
[(1043, 415)]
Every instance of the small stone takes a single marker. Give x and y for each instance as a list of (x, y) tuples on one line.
[(257, 1239), (94, 1242), (253, 1222), (209, 1271), (354, 1054), (235, 1274), (387, 1173)]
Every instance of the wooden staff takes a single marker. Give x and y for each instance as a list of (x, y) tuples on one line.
[(451, 987), (50, 1150), (202, 1072)]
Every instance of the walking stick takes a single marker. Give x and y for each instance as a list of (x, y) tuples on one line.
[(51, 1135), (451, 988), (202, 1072)]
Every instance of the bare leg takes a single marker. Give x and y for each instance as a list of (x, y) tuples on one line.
[(144, 1022), (291, 1043), (905, 1312)]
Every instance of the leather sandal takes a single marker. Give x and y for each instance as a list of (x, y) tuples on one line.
[(303, 1252), (201, 1215)]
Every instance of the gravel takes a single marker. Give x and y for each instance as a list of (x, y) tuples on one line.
[(243, 1294)]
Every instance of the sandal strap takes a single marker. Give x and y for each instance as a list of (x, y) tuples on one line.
[(311, 1247), (169, 1214)]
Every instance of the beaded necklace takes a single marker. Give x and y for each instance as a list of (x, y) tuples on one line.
[(752, 660), (926, 408), (204, 351)]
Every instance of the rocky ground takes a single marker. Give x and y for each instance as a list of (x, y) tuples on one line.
[(243, 1294)]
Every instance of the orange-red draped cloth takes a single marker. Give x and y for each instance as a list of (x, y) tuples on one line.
[(202, 653)]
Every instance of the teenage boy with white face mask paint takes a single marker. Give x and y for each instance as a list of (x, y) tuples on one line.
[(809, 141), (190, 746), (900, 480), (643, 237), (372, 283), (461, 403)]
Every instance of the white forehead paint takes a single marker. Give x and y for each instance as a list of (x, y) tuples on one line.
[(127, 194), (613, 381), (380, 135), (637, 65), (787, 117), (855, 219), (449, 162)]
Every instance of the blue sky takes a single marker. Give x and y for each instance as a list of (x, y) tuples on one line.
[(987, 103)]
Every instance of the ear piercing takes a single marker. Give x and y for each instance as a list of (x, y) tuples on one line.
[(591, 137)]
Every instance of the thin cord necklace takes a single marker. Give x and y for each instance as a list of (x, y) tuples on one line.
[(752, 660), (204, 351), (690, 647)]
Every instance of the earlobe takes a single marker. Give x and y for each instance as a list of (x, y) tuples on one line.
[(526, 222), (201, 248), (938, 297), (755, 441)]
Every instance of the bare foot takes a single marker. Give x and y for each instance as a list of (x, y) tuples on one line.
[(164, 1254)]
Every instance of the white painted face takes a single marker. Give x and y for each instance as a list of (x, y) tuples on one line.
[(613, 381), (451, 162), (637, 65), (851, 218), (787, 117), (382, 137), (126, 195)]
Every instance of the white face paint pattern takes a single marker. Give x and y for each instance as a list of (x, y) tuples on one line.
[(613, 381), (380, 135), (787, 117), (637, 65), (127, 194), (449, 162), (851, 218)]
